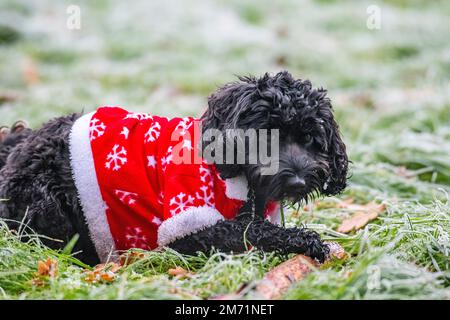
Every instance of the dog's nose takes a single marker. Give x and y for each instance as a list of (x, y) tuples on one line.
[(296, 182)]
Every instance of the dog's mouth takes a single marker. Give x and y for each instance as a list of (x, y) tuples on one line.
[(301, 198), (293, 186), (298, 192)]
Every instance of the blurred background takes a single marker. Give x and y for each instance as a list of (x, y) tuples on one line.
[(386, 64)]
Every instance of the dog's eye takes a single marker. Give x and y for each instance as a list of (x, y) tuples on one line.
[(307, 139)]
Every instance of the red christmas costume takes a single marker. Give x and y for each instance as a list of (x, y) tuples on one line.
[(141, 183)]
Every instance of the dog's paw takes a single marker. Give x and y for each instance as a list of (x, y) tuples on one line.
[(308, 242), (318, 251)]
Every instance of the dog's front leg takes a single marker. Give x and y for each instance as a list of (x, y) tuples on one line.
[(269, 237), (245, 231), (226, 236)]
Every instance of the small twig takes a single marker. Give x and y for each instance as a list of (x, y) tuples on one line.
[(283, 222)]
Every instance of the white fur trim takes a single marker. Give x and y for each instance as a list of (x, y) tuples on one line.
[(236, 188), (85, 177), (185, 223)]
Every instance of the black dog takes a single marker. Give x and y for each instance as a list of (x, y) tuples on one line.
[(37, 182)]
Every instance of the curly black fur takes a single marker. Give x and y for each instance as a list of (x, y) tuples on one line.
[(311, 147), (37, 184), (36, 177), (253, 231), (10, 141)]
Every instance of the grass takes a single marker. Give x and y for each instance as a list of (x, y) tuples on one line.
[(390, 93)]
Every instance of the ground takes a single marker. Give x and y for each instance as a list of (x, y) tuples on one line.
[(390, 91)]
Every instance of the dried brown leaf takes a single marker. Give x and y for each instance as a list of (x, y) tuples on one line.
[(102, 273), (110, 266), (38, 282), (7, 97), (279, 279), (30, 72), (130, 258), (179, 272), (336, 251), (364, 213), (48, 268)]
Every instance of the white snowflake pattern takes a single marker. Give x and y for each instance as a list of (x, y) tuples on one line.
[(138, 116), (179, 203), (96, 129), (187, 144), (167, 159), (161, 198), (206, 176), (151, 161), (116, 158), (136, 238), (125, 132), (206, 196), (153, 132), (126, 197), (184, 126), (156, 220)]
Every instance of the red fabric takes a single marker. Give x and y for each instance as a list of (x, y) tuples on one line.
[(139, 179)]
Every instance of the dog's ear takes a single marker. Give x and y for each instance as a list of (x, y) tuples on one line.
[(338, 162), (225, 108), (219, 105), (229, 103)]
